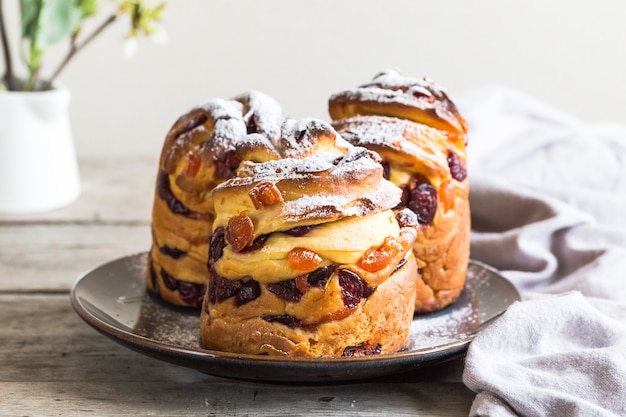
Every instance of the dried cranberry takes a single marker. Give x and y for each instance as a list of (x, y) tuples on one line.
[(404, 198), (217, 245), (400, 265), (423, 202), (251, 128), (362, 349), (172, 252), (286, 290), (353, 288), (164, 191), (386, 169), (191, 293), (457, 166), (406, 218), (221, 288), (287, 320), (256, 244), (320, 276), (169, 281), (298, 230), (225, 164), (249, 291), (354, 154)]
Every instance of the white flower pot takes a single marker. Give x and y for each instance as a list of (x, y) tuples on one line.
[(38, 167)]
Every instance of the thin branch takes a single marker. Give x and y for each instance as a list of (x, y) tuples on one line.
[(6, 50), (75, 47)]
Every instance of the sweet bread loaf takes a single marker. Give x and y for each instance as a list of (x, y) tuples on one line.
[(307, 257), (420, 135), (199, 152)]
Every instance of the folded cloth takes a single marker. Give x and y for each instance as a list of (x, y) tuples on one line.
[(548, 197), (550, 356)]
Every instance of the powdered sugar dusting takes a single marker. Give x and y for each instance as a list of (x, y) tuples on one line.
[(381, 95), (301, 138), (264, 112), (398, 136), (170, 325), (115, 293)]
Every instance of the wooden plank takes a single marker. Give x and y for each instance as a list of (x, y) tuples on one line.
[(112, 189), (50, 257), (53, 364)]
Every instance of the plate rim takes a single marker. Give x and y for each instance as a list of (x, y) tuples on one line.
[(179, 354)]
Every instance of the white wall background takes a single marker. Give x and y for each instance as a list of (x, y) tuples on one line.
[(568, 53)]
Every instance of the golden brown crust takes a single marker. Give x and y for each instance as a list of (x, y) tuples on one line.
[(307, 257), (199, 152), (396, 95), (322, 188), (420, 136), (319, 324)]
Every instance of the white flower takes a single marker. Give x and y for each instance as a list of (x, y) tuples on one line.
[(130, 46)]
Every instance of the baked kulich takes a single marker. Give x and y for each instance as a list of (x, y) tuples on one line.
[(199, 153), (421, 137), (307, 257)]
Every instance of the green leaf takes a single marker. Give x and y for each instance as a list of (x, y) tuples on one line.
[(29, 11), (58, 20), (88, 7)]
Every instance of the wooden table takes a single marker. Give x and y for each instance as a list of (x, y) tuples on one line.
[(52, 363)]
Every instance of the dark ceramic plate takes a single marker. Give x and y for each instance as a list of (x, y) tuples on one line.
[(112, 299)]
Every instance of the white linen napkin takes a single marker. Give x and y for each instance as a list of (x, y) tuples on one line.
[(548, 199)]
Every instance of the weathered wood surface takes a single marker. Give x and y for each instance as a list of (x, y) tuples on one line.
[(49, 251), (51, 363), (54, 364), (50, 257)]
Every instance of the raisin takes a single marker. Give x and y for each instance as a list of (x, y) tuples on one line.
[(458, 168), (217, 245), (249, 291), (386, 169), (251, 127), (287, 320), (319, 277), (362, 349), (239, 232), (353, 288), (404, 198), (256, 244), (154, 279), (287, 290), (400, 264), (164, 191), (172, 252), (355, 154), (221, 288), (298, 230), (302, 284), (191, 293), (225, 164), (406, 218), (169, 281), (423, 202), (422, 94)]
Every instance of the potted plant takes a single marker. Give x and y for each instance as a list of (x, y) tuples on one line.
[(38, 169)]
